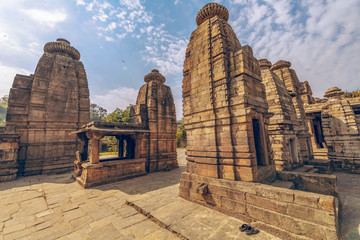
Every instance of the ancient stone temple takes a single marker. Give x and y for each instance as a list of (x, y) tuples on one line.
[(155, 108), (224, 102), (230, 166), (283, 125), (46, 106), (146, 144), (334, 127), (288, 76), (341, 132)]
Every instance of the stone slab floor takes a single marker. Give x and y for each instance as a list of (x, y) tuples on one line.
[(56, 207)]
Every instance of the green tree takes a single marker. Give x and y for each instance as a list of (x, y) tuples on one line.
[(97, 113), (353, 94), (3, 110), (4, 100), (180, 134), (119, 115)]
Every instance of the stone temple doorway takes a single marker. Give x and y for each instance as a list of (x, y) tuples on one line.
[(259, 143)]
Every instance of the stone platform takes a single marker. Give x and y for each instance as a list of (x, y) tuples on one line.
[(110, 171), (56, 207)]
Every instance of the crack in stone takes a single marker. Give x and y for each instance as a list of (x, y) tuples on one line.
[(155, 220)]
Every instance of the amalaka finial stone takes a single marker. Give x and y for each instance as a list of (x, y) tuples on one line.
[(264, 63), (333, 92), (211, 10), (62, 46), (155, 75), (281, 64)]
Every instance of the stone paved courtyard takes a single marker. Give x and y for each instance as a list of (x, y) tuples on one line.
[(56, 207)]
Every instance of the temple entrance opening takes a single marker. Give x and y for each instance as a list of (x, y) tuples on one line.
[(259, 143)]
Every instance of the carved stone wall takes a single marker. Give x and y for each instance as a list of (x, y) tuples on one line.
[(224, 103), (155, 109), (283, 125), (288, 76), (9, 146), (341, 132), (46, 106), (227, 119)]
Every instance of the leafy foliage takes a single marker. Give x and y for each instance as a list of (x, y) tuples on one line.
[(109, 144), (180, 134), (97, 113), (3, 109), (353, 94), (119, 115)]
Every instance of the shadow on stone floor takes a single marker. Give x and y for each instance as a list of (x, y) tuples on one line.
[(349, 194), (150, 182), (137, 185), (28, 181)]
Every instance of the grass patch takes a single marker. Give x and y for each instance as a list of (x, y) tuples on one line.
[(108, 153)]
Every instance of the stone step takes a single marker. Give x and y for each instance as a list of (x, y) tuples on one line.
[(318, 162), (305, 168), (320, 152), (322, 166), (314, 170), (283, 184)]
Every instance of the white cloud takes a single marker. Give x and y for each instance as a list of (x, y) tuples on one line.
[(320, 38), (49, 18), (121, 36), (111, 26), (120, 97), (132, 4), (130, 15), (165, 51), (121, 15), (89, 7), (80, 2), (109, 39), (7, 77), (178, 108)]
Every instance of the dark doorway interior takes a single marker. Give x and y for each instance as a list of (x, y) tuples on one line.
[(259, 144), (126, 147), (319, 137)]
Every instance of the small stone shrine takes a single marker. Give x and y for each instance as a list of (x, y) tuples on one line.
[(341, 132), (230, 166), (334, 124), (146, 144), (289, 78), (283, 125)]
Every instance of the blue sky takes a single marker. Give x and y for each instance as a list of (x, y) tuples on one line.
[(120, 41)]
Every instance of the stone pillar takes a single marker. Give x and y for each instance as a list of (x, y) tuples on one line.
[(121, 146), (95, 145)]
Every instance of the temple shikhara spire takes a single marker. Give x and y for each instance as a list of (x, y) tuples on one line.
[(48, 105)]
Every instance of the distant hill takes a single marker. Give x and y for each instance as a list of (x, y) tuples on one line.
[(3, 109)]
